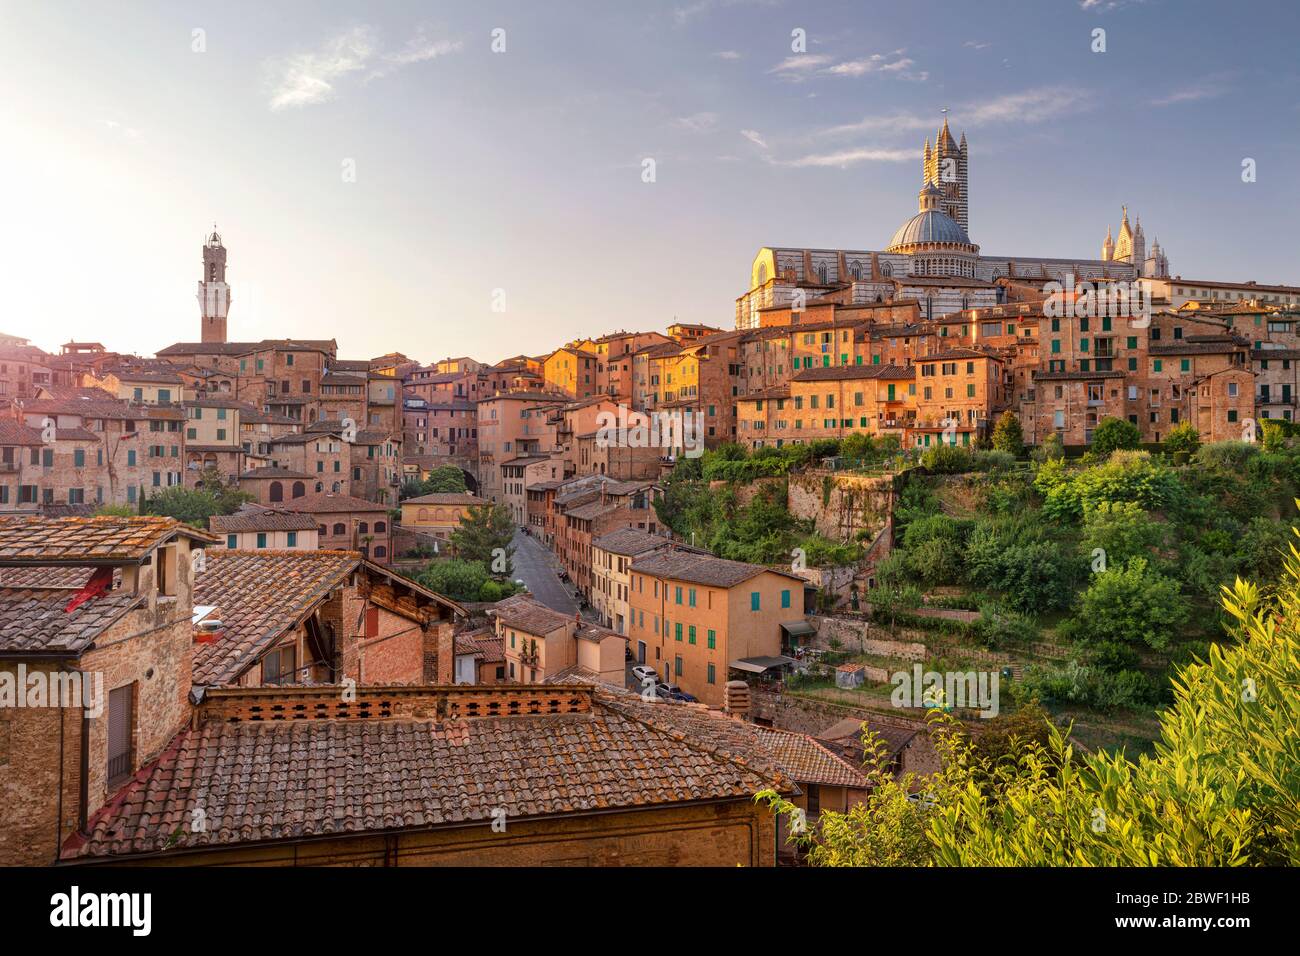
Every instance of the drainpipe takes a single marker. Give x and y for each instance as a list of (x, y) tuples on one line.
[(83, 796)]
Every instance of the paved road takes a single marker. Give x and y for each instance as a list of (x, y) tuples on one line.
[(536, 567)]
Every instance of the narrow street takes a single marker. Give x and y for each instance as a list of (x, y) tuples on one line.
[(539, 570)]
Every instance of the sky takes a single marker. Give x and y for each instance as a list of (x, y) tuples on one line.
[(447, 179)]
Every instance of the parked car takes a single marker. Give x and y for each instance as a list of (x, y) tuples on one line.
[(643, 673), (670, 692)]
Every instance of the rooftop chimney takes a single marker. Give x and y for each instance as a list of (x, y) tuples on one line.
[(736, 699)]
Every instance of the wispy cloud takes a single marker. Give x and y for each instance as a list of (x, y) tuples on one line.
[(727, 55), (419, 49), (697, 122), (304, 79), (120, 129), (1206, 89), (1026, 107), (801, 66), (974, 45), (755, 137), (685, 13), (850, 157), (1105, 6)]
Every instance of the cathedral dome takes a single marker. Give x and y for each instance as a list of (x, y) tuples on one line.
[(929, 226)]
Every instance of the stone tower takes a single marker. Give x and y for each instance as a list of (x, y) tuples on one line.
[(214, 293), (946, 168)]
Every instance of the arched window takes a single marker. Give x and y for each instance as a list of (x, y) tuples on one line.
[(299, 489), (340, 528), (886, 269), (762, 273), (381, 551), (821, 272), (320, 486), (381, 527), (323, 530), (363, 528), (277, 491), (856, 267), (422, 514), (336, 487)]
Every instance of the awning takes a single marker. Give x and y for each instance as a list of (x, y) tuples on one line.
[(799, 629), (759, 665)]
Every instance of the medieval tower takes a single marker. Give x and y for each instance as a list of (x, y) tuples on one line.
[(945, 167), (214, 293)]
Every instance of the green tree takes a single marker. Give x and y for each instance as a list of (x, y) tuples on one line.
[(1115, 434), (1183, 438), (1121, 529), (1008, 435), (194, 506), (1131, 603), (484, 535), (1220, 789), (445, 479), (1051, 448), (455, 578), (948, 459)]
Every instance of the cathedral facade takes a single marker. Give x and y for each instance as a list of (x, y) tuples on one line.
[(931, 258)]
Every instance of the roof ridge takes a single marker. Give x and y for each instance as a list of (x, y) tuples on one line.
[(605, 699)]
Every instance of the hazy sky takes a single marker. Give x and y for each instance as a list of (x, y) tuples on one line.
[(121, 143)]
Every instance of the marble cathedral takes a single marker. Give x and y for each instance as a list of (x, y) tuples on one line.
[(931, 258)]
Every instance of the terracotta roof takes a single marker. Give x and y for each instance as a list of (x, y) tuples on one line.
[(629, 541), (834, 373), (259, 595), (324, 777), (807, 761), (526, 614), (446, 498), (701, 568), (16, 433), (596, 633), (244, 348), (492, 649), (33, 620), (329, 503), (158, 376), (1041, 376), (86, 407), (1198, 348), (88, 541), (955, 353), (273, 472), (592, 509), (262, 519), (847, 735)]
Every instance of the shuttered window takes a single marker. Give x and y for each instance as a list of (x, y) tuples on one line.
[(120, 720)]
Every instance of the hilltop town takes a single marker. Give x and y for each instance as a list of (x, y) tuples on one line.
[(592, 601)]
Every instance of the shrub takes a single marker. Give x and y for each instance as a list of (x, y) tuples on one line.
[(1008, 436), (994, 460), (1183, 438), (1115, 434), (1131, 604), (1049, 449), (948, 460), (1229, 456)]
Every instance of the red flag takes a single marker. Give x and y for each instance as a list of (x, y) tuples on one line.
[(97, 586)]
